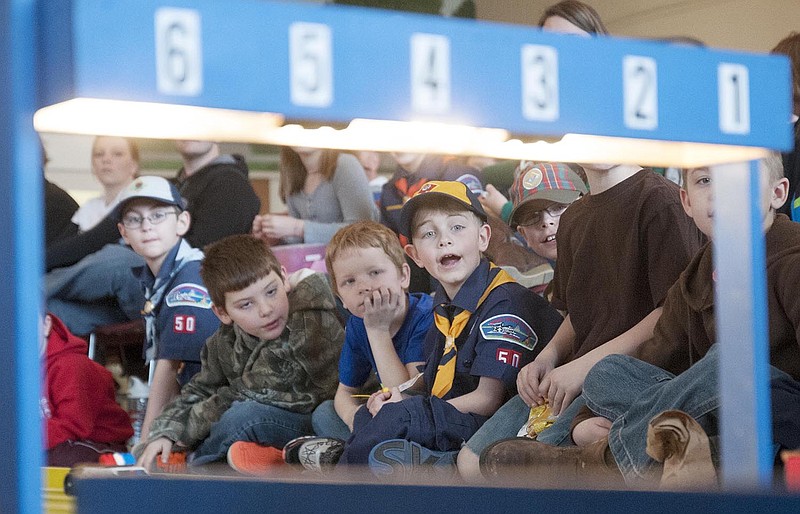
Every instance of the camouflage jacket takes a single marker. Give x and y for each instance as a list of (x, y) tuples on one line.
[(295, 372)]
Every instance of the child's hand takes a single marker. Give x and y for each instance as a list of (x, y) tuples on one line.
[(161, 446), (492, 200), (382, 308), (530, 377), (276, 227), (564, 384), (377, 400)]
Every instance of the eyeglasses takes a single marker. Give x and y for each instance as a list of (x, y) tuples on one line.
[(534, 218), (134, 221)]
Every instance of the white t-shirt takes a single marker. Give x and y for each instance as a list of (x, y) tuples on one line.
[(91, 212)]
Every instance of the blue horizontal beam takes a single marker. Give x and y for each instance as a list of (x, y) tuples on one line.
[(237, 55)]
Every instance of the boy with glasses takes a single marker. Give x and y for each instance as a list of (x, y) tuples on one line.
[(177, 309)]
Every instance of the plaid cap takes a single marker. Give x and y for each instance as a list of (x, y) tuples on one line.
[(154, 188), (536, 185), (437, 189)]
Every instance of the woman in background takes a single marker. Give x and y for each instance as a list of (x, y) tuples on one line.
[(324, 190), (115, 163)]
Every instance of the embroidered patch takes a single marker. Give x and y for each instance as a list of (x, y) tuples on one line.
[(509, 357), (182, 324), (190, 295), (510, 328), (532, 179)]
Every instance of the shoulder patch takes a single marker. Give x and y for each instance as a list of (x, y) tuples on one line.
[(190, 295), (509, 328)]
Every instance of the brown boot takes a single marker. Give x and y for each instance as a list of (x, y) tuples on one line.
[(677, 440), (525, 460)]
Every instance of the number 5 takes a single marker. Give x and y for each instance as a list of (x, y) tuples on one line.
[(310, 64)]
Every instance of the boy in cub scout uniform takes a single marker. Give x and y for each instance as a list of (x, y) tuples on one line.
[(152, 219), (486, 328)]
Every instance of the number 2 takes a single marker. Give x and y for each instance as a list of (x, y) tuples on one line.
[(640, 92)]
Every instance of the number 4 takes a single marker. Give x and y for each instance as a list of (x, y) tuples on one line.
[(430, 73)]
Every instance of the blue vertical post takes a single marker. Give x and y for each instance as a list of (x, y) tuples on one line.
[(742, 327), (21, 243)]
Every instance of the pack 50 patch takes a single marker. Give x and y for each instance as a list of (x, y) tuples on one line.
[(509, 328), (190, 295), (183, 324), (510, 357)]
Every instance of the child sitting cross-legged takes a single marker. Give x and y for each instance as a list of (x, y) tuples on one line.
[(487, 327), (271, 362), (387, 328)]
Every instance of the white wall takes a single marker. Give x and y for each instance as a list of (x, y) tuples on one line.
[(754, 25)]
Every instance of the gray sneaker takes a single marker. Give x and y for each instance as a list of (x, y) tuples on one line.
[(318, 454)]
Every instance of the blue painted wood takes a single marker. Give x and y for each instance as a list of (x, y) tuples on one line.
[(199, 496), (245, 60), (20, 261)]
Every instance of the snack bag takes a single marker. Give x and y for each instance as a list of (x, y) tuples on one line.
[(540, 417)]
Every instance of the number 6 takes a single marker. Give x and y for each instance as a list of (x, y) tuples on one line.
[(179, 65)]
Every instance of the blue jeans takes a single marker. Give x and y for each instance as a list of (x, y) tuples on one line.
[(630, 393), (510, 418), (97, 290), (251, 421), (327, 423)]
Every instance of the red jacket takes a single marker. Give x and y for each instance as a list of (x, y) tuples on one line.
[(78, 399)]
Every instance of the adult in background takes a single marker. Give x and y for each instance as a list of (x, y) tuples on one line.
[(115, 163), (324, 191)]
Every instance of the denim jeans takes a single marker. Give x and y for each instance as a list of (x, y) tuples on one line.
[(251, 421), (100, 289), (509, 419), (630, 392), (327, 423)]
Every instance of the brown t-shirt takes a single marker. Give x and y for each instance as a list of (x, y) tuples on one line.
[(619, 252), (686, 329)]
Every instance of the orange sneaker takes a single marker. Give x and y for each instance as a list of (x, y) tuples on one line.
[(252, 458)]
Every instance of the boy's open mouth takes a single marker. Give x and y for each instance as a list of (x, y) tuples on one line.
[(449, 260), (551, 237)]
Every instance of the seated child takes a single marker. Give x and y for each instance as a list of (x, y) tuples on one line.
[(266, 368), (487, 327), (679, 365), (177, 307), (540, 194), (386, 331), (78, 401)]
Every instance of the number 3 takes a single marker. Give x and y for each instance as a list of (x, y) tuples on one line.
[(539, 83)]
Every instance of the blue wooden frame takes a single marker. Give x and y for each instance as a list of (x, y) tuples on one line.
[(105, 49)]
